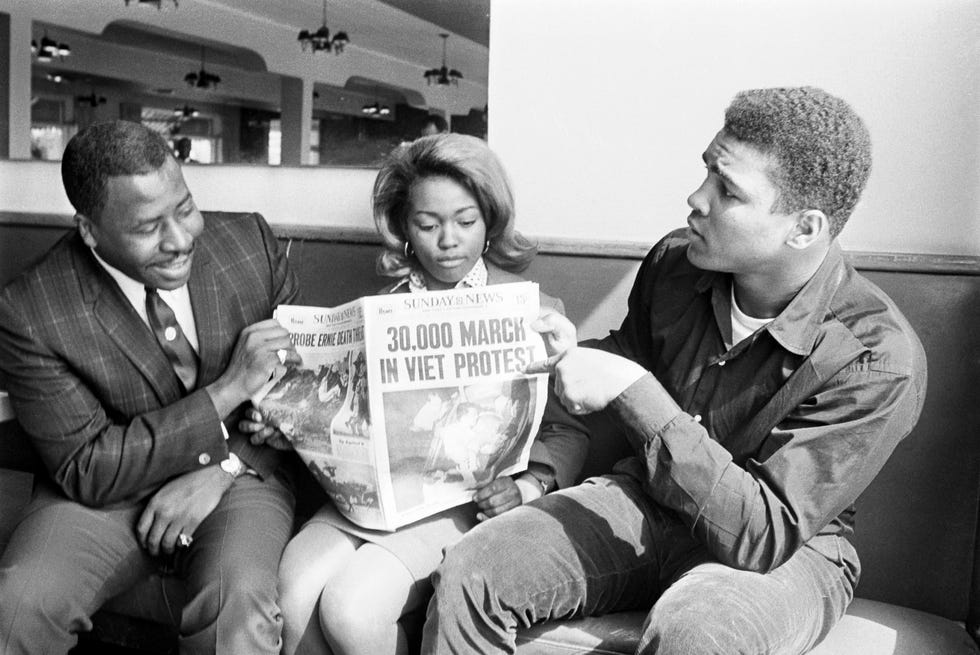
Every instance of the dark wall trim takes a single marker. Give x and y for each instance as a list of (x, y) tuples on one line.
[(868, 261), (36, 218)]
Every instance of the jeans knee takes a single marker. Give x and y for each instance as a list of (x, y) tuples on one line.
[(693, 622), (667, 631), (465, 571)]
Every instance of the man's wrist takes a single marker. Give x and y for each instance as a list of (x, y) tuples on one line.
[(223, 399), (529, 486), (626, 376)]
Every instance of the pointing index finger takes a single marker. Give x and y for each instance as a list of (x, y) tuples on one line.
[(543, 365)]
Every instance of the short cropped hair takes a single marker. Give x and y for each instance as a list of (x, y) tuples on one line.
[(820, 147), (469, 162), (106, 150)]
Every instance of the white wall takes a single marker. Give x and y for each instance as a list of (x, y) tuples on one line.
[(600, 109)]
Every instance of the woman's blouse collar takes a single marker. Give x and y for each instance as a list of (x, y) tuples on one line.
[(477, 277)]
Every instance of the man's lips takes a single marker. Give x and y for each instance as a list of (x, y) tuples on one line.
[(175, 263)]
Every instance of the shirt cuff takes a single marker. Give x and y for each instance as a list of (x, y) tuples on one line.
[(645, 409)]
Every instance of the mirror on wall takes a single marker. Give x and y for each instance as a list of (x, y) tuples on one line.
[(218, 103)]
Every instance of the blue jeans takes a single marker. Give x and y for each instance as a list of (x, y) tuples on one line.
[(603, 547)]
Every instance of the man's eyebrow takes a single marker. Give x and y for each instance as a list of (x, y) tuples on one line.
[(713, 167), (139, 222)]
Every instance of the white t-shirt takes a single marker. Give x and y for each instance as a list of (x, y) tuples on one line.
[(743, 325)]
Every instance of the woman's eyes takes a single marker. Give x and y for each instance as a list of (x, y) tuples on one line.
[(429, 227)]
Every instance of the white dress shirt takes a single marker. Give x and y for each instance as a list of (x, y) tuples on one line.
[(135, 292)]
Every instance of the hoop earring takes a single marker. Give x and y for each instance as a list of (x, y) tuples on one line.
[(409, 252), (486, 247)]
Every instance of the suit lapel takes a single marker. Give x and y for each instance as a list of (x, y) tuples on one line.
[(124, 326), (208, 306)]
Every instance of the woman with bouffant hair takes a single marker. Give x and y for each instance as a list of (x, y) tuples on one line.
[(445, 212), (468, 162)]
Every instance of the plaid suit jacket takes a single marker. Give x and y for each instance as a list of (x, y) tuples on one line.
[(92, 388)]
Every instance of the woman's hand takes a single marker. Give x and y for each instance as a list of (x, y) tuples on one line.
[(497, 497), (254, 424)]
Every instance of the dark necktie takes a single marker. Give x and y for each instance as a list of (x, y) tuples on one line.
[(171, 338)]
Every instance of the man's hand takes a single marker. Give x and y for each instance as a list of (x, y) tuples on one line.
[(497, 497), (254, 424), (259, 350), (586, 379), (558, 332), (179, 506)]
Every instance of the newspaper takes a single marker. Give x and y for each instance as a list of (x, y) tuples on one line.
[(405, 403)]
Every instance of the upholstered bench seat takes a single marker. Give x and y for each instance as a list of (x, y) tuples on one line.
[(869, 628), (874, 628)]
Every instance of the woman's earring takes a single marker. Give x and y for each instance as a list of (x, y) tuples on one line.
[(408, 250), (486, 247)]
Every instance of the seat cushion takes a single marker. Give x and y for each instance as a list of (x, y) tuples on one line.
[(874, 628), (869, 628)]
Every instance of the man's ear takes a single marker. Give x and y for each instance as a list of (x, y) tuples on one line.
[(84, 225), (811, 226)]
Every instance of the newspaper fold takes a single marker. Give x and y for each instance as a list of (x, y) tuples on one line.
[(406, 403)]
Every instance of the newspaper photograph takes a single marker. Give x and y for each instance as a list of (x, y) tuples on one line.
[(405, 404)]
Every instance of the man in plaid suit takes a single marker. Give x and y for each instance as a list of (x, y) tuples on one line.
[(146, 468)]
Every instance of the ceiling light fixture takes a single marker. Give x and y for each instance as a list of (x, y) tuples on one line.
[(376, 108), (150, 3), (443, 76), (202, 79), (320, 39), (185, 112), (49, 49)]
